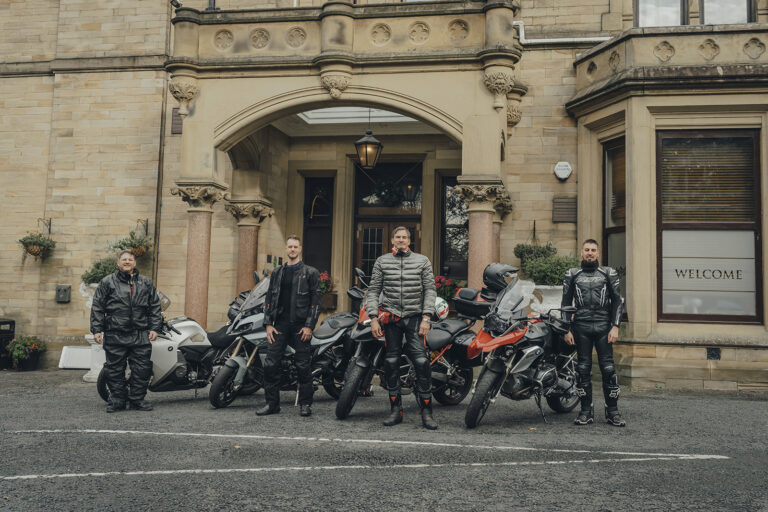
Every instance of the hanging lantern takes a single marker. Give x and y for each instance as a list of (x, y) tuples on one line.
[(368, 150), (410, 191)]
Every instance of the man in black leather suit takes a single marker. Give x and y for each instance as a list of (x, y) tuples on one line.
[(594, 290), (126, 316), (291, 308)]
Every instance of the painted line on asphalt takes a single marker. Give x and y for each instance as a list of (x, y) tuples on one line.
[(363, 441), (337, 468)]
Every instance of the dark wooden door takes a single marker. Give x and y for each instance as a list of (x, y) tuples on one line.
[(374, 238)]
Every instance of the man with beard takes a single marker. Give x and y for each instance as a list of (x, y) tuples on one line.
[(125, 317), (405, 281), (594, 290)]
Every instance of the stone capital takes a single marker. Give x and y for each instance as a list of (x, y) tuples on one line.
[(503, 205), (199, 195), (500, 82), (483, 196), (184, 89), (249, 212)]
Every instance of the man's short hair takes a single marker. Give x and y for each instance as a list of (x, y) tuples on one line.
[(126, 251), (590, 241), (293, 237), (399, 229)]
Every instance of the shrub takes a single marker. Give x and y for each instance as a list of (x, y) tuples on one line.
[(138, 245), (528, 252), (99, 270), (22, 348), (549, 270)]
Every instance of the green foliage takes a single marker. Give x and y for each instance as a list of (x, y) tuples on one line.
[(528, 252), (131, 242), (325, 282), (43, 241), (22, 348), (99, 270), (446, 288), (549, 270)]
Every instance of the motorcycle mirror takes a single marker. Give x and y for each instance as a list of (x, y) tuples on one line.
[(165, 302), (256, 277), (361, 276)]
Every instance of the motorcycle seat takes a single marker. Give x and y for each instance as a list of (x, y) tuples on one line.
[(443, 332), (220, 338), (331, 325), (198, 349)]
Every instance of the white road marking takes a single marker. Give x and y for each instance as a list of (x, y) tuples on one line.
[(353, 467), (664, 456)]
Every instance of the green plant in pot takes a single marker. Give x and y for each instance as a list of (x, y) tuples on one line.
[(37, 244), (137, 244), (549, 270), (99, 270), (25, 351)]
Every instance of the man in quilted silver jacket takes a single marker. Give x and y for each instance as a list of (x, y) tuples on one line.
[(400, 300), (594, 290)]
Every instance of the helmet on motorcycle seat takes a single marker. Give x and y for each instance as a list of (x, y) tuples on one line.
[(441, 308), (495, 274)]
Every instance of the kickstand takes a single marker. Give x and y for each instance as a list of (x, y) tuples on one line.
[(196, 393), (538, 402), (296, 402)]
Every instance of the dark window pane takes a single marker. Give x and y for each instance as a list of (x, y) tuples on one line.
[(372, 240), (318, 221), (455, 232)]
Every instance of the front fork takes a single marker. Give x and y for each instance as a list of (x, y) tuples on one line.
[(242, 363), (487, 368)]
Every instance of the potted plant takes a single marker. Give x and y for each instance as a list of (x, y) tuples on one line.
[(138, 245), (328, 302), (542, 265), (37, 244), (99, 270), (25, 352), (446, 288)]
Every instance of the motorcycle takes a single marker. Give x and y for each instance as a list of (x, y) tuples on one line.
[(447, 343), (245, 364), (526, 354), (184, 356)]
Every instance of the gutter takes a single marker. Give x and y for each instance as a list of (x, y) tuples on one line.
[(558, 40)]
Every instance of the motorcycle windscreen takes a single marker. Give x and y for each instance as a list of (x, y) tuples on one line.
[(256, 298)]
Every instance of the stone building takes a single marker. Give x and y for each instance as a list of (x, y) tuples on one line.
[(221, 127)]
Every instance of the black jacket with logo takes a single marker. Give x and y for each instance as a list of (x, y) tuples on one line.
[(116, 309), (305, 297), (595, 293)]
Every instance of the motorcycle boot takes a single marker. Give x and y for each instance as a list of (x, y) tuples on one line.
[(427, 419), (115, 405), (140, 405), (267, 410), (305, 410), (611, 388), (613, 417), (395, 411), (586, 416)]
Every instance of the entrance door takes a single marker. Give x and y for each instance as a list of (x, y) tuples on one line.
[(374, 239)]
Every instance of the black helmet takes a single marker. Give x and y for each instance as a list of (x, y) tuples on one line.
[(494, 276)]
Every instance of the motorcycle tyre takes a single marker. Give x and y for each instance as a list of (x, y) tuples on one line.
[(251, 386), (222, 380), (444, 399), (560, 405), (349, 393), (101, 384), (331, 385), (486, 387)]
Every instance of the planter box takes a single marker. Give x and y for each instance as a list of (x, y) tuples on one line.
[(329, 301)]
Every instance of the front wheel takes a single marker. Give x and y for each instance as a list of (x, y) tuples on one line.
[(349, 392), (222, 391), (456, 389), (101, 385), (486, 388)]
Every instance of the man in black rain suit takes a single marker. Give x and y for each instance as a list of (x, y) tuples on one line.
[(126, 316), (291, 308), (594, 290)]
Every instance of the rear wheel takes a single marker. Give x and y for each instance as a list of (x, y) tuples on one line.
[(485, 390), (563, 403), (101, 385), (348, 395), (222, 391), (456, 389)]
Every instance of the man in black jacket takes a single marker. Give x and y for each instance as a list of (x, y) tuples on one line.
[(291, 308), (594, 290), (126, 316)]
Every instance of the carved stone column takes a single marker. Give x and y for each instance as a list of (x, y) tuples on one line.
[(480, 197), (502, 205), (249, 214), (200, 196)]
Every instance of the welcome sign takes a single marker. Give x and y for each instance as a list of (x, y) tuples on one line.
[(708, 272)]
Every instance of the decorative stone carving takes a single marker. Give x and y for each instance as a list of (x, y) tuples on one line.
[(514, 114), (481, 193), (591, 68), (419, 33), (335, 84), (664, 51), (259, 38), (381, 34), (296, 37), (255, 211), (754, 48), (223, 40), (184, 89), (458, 30), (614, 61), (499, 82), (503, 205), (709, 49), (201, 196)]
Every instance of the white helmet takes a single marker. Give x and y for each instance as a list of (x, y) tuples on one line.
[(441, 308)]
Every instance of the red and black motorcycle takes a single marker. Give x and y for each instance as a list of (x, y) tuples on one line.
[(525, 354)]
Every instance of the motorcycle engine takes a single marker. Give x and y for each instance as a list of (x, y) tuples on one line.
[(545, 375), (516, 387)]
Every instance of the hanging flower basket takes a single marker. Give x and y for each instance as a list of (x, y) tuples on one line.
[(37, 244), (139, 250), (137, 244)]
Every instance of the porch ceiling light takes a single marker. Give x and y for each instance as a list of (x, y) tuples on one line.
[(368, 150)]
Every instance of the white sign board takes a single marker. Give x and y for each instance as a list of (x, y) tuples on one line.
[(708, 272), (563, 170)]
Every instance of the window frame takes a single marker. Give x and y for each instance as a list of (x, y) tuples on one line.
[(608, 145), (756, 226), (750, 6), (684, 16), (443, 180)]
